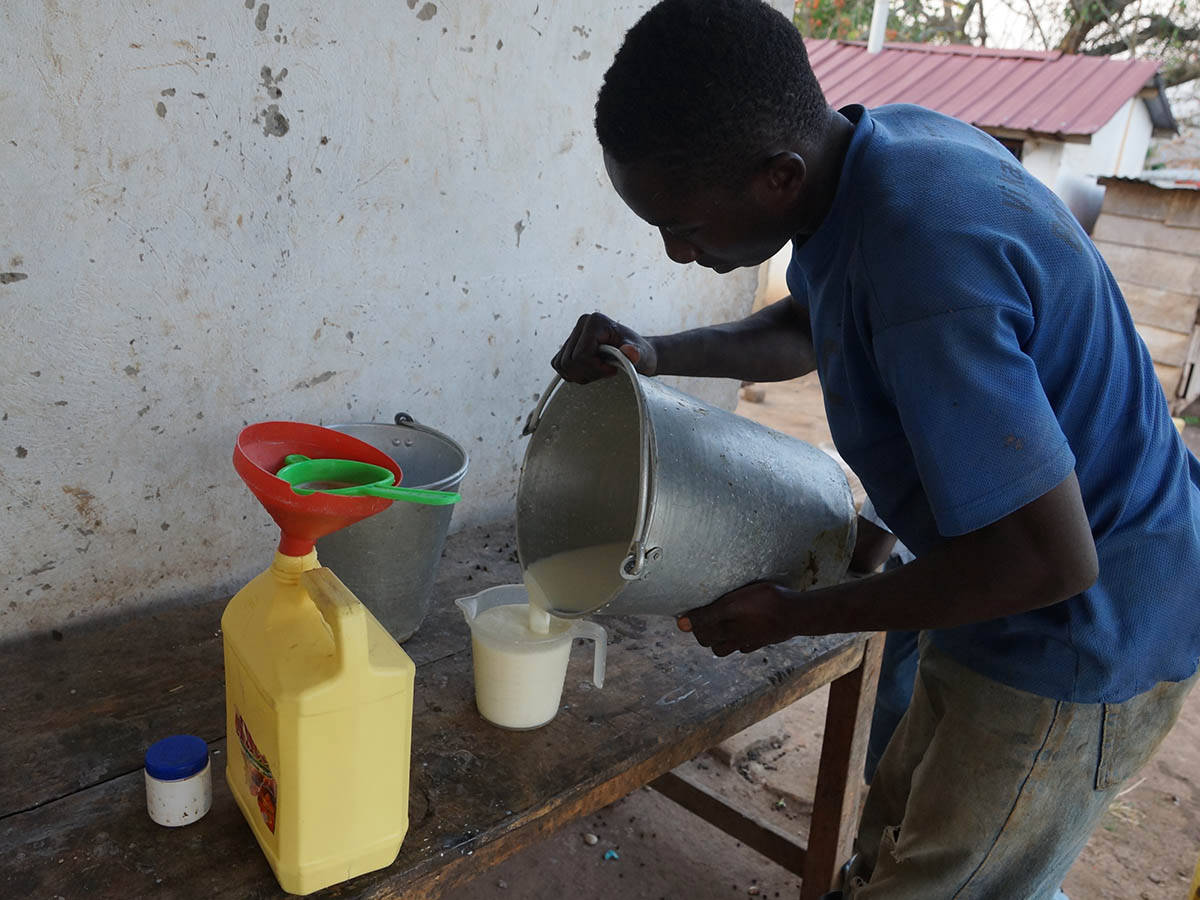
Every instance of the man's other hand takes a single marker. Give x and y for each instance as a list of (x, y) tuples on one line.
[(746, 619), (579, 359)]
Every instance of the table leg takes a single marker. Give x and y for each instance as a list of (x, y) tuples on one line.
[(840, 775)]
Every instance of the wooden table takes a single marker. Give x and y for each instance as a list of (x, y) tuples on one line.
[(80, 707)]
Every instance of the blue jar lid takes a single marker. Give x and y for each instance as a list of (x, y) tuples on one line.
[(175, 757)]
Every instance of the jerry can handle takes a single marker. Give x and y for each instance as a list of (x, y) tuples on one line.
[(633, 566), (590, 631), (343, 613)]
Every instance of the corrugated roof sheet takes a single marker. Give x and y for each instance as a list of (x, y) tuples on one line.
[(1169, 179), (1046, 92)]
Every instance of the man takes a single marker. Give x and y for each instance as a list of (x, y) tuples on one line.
[(983, 378)]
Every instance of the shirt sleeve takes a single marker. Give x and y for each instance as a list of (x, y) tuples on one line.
[(983, 434)]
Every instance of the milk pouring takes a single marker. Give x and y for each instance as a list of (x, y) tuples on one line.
[(577, 581)]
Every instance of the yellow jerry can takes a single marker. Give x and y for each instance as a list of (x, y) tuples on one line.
[(318, 705)]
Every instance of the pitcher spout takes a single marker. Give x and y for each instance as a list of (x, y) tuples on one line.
[(469, 607)]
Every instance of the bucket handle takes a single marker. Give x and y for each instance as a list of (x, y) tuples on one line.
[(343, 613), (634, 565)]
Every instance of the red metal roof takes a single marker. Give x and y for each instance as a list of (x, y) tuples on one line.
[(1046, 92)]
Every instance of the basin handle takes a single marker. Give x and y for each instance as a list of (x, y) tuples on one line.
[(633, 566)]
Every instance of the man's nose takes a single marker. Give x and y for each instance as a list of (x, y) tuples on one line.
[(678, 249)]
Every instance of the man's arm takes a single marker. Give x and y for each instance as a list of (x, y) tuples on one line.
[(773, 344), (872, 546), (1037, 556)]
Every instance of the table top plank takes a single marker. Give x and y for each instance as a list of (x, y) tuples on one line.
[(82, 709), (478, 793), (78, 711)]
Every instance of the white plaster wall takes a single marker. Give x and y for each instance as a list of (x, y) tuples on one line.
[(1118, 148), (421, 237), (1043, 159)]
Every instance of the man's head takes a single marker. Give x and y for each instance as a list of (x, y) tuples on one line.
[(706, 118)]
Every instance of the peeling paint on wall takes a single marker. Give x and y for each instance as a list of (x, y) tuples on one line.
[(271, 82), (314, 381), (275, 123)]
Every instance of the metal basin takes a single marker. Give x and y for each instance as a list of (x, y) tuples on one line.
[(389, 560), (706, 501)]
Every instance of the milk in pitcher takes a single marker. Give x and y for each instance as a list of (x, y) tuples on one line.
[(519, 669), (519, 672)]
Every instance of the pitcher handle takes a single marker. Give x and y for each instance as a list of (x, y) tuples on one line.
[(343, 613), (590, 631)]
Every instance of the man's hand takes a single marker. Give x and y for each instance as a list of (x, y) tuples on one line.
[(746, 619), (579, 359)]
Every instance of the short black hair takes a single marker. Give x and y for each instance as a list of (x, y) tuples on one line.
[(704, 87)]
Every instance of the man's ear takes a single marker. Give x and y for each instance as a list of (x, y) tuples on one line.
[(783, 175)]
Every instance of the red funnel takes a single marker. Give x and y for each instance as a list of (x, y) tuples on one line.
[(259, 454)]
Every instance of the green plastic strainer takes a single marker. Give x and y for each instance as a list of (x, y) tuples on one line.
[(351, 478)]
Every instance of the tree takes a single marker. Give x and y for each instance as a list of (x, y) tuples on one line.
[(1166, 30)]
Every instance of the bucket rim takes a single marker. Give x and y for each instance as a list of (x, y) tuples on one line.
[(438, 484)]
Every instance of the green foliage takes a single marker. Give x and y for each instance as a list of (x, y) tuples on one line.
[(846, 20), (911, 21)]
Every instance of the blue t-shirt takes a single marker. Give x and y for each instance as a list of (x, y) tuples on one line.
[(973, 349)]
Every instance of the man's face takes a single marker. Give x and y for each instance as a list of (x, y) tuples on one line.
[(716, 227)]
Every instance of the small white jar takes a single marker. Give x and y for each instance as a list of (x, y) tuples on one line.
[(178, 780)]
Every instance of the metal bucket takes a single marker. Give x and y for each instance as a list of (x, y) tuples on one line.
[(389, 559), (705, 500)]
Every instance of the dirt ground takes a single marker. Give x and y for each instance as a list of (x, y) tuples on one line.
[(644, 847)]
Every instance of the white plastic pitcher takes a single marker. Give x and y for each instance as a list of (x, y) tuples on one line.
[(519, 673)]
